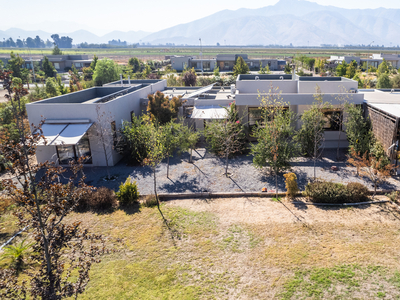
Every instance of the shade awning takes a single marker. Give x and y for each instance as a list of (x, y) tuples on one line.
[(72, 134), (200, 91), (209, 112), (51, 132)]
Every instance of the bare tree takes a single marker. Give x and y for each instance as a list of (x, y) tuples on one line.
[(106, 134), (43, 203), (311, 133), (227, 137)]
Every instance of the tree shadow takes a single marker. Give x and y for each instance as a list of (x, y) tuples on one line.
[(182, 185)]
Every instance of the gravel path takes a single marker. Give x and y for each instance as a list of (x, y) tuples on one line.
[(206, 174)]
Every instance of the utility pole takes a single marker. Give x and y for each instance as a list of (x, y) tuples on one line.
[(201, 57)]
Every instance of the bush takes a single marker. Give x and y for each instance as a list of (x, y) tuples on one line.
[(101, 198), (356, 192), (331, 192), (291, 184), (326, 192), (128, 192), (149, 201)]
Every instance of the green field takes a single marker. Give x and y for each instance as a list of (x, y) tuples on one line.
[(208, 52)]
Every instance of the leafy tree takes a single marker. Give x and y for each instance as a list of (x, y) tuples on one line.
[(358, 129), (39, 42), (30, 42), (341, 69), (87, 73), (161, 108), (240, 67), (94, 62), (15, 65), (216, 71), (384, 81), (311, 133), (396, 81), (48, 68), (383, 68), (134, 134), (60, 250), (351, 69), (56, 50), (134, 62), (276, 146), (227, 137), (19, 43), (63, 90), (106, 71), (287, 69), (52, 88), (189, 77)]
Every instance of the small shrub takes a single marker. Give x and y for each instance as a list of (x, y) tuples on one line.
[(393, 196), (326, 192), (291, 184), (128, 192), (101, 198), (356, 192), (149, 201)]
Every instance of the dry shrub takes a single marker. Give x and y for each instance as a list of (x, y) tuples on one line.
[(357, 192), (291, 184), (102, 198), (5, 203), (149, 201)]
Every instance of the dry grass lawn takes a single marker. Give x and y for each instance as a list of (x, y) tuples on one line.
[(247, 248)]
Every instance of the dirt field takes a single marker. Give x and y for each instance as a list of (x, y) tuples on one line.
[(244, 248)]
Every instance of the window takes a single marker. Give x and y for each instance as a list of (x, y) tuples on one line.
[(255, 116), (333, 120), (68, 153), (57, 66), (78, 65)]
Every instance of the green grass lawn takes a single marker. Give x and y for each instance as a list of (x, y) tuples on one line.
[(206, 254)]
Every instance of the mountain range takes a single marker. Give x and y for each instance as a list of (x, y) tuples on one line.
[(296, 22)]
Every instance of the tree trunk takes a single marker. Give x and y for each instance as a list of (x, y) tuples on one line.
[(168, 167), (226, 164), (191, 153), (276, 183), (338, 146), (155, 187)]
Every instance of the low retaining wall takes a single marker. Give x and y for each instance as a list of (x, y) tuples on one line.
[(171, 196)]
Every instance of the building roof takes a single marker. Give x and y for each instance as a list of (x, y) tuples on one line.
[(381, 96)]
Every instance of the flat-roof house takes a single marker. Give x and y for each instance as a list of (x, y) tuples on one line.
[(225, 62), (62, 62), (298, 93), (70, 120)]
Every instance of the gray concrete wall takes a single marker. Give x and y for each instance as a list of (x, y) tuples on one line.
[(177, 63)]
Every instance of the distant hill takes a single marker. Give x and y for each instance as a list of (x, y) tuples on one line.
[(298, 22), (79, 36)]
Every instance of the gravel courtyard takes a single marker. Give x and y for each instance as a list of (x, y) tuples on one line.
[(206, 174)]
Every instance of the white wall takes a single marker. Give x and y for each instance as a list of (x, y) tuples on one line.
[(263, 86), (306, 87)]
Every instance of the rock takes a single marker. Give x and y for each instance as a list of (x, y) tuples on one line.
[(334, 168)]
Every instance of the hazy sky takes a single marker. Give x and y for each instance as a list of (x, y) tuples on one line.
[(103, 16)]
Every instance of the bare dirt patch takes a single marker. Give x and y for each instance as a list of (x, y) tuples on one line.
[(264, 210)]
